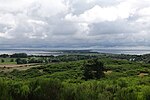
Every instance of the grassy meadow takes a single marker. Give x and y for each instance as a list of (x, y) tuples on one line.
[(7, 61)]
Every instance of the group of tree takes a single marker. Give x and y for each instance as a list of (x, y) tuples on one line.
[(34, 60), (54, 89), (4, 55), (63, 81), (19, 55), (2, 60), (93, 69), (21, 61)]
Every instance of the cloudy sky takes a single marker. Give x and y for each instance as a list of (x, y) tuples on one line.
[(74, 23)]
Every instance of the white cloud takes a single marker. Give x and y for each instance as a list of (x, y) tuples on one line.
[(75, 23), (99, 14)]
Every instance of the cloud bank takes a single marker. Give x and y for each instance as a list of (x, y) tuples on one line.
[(74, 23)]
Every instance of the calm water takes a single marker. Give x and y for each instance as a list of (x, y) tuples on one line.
[(50, 52), (29, 51), (123, 51)]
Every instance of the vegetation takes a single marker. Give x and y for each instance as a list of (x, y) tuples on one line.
[(19, 55), (93, 69), (77, 77), (2, 60)]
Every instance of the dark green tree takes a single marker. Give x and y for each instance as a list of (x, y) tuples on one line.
[(2, 60), (12, 60), (93, 69), (21, 61), (4, 55), (19, 55)]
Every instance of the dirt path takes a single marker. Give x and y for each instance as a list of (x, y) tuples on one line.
[(11, 67)]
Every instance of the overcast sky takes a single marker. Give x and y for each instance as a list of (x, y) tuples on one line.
[(74, 23)]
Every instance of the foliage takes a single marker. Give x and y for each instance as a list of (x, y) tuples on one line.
[(93, 69), (21, 61), (19, 55), (2, 60), (63, 80)]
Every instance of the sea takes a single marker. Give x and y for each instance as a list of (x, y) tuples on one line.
[(124, 51), (43, 52), (60, 52)]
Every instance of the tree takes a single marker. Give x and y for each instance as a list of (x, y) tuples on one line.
[(4, 55), (12, 60), (93, 69), (19, 55), (2, 60), (21, 61)]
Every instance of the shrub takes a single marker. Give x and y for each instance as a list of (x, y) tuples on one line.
[(2, 60), (93, 69)]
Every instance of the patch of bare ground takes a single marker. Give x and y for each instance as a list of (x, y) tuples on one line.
[(107, 72), (11, 67), (143, 74)]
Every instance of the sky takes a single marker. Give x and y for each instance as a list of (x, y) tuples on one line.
[(75, 24)]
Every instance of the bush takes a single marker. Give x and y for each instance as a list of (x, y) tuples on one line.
[(19, 55), (21, 61), (2, 60), (93, 69), (126, 94), (3, 90), (146, 92), (12, 60), (45, 89), (19, 91)]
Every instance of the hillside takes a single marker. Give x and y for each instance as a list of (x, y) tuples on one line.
[(123, 79)]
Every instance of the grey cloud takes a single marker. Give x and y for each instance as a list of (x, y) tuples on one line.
[(115, 27), (37, 23), (65, 28)]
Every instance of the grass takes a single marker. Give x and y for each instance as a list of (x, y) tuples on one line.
[(7, 61)]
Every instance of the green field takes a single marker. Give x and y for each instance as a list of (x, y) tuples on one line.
[(7, 61), (65, 80)]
